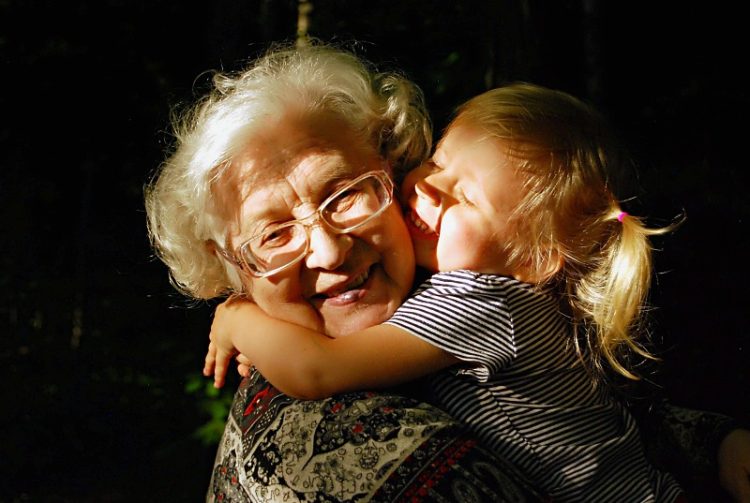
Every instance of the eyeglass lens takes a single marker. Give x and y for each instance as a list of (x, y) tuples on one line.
[(346, 210)]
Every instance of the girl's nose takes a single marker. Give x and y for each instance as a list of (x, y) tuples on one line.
[(328, 250), (425, 190)]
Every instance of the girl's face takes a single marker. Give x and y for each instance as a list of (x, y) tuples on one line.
[(458, 205)]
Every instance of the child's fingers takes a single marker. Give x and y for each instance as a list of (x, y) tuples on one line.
[(243, 360), (219, 372), (208, 365), (243, 365), (220, 369)]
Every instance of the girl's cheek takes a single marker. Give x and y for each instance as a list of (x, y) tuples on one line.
[(454, 243), (464, 244), (457, 228)]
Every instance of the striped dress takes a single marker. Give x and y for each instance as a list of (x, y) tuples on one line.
[(523, 391)]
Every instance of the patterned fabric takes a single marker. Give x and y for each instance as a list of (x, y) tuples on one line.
[(353, 447), (523, 391), (687, 442)]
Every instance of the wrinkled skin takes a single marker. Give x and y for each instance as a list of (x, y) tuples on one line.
[(347, 281)]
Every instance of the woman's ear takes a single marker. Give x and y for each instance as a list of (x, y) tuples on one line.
[(215, 249), (239, 280)]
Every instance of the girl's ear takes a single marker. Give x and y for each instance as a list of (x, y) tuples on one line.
[(552, 265), (546, 269), (541, 272)]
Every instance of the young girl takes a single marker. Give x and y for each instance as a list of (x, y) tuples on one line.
[(541, 282)]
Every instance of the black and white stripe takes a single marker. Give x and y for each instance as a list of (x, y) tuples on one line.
[(523, 391)]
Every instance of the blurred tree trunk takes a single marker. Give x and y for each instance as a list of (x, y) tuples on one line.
[(505, 28), (593, 65), (81, 268), (304, 7)]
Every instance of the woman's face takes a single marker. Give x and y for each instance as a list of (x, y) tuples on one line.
[(348, 281)]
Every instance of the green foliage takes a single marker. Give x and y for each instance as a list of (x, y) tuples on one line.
[(212, 402)]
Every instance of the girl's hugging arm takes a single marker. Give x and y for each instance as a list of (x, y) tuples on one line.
[(306, 364)]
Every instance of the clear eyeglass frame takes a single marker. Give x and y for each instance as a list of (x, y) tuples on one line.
[(248, 262)]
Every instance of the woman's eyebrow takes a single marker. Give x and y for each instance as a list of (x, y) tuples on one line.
[(342, 171), (262, 213), (340, 176)]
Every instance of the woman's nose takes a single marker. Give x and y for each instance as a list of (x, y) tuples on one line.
[(328, 250)]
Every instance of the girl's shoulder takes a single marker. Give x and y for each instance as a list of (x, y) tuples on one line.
[(464, 281), (479, 279), (471, 281)]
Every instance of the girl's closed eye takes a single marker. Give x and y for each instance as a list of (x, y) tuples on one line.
[(432, 165), (464, 197)]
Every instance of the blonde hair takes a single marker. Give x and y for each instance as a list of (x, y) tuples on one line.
[(569, 225), (386, 110)]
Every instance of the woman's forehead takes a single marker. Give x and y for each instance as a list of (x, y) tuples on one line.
[(296, 158), (295, 143), (313, 164), (296, 133), (308, 178)]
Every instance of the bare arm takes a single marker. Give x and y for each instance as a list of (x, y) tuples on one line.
[(701, 449), (734, 464), (306, 364)]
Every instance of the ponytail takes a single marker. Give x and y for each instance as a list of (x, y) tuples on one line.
[(609, 298)]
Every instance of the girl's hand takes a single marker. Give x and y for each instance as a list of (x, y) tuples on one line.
[(227, 322), (244, 365), (734, 464), (217, 362)]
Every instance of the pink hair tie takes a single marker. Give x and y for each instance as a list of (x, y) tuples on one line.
[(621, 215)]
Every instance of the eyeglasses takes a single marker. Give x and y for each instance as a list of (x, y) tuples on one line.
[(350, 207)]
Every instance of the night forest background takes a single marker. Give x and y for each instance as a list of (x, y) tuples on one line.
[(102, 399)]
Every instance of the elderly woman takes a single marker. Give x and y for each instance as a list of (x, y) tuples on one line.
[(255, 201)]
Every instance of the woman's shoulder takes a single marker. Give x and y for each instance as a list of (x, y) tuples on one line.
[(364, 446)]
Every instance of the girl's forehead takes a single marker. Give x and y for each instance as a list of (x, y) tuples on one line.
[(460, 138)]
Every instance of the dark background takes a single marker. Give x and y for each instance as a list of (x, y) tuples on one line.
[(99, 356)]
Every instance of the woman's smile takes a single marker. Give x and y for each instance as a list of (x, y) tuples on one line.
[(347, 292), (346, 288)]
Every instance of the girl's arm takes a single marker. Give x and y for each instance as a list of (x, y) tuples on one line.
[(306, 364)]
